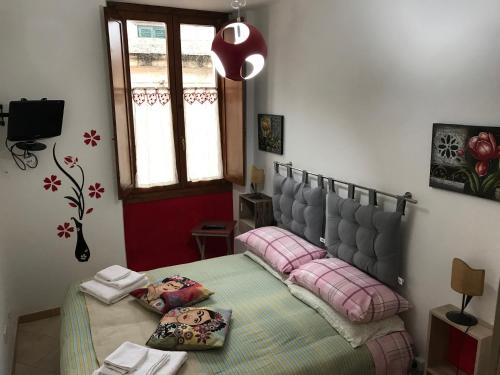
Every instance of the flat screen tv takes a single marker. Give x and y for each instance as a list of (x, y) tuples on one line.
[(30, 120)]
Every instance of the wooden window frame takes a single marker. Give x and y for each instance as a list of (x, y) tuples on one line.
[(124, 138)]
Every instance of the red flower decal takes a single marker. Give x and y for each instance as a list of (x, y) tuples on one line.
[(65, 230), (71, 204), (71, 161), (96, 190), (51, 183), (483, 148), (91, 138), (89, 211)]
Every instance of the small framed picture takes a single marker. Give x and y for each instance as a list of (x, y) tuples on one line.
[(270, 133)]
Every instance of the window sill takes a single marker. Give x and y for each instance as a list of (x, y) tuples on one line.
[(185, 190)]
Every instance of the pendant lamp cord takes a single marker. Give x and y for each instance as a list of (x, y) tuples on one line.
[(238, 4)]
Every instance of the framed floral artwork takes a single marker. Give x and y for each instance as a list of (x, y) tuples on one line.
[(465, 159), (270, 133)]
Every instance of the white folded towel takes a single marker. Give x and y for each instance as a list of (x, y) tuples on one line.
[(105, 370), (108, 294), (123, 283), (113, 273), (156, 362), (174, 361), (128, 357)]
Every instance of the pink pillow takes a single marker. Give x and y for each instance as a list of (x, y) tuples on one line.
[(348, 290), (282, 250)]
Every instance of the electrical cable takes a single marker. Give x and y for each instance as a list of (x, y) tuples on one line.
[(22, 160)]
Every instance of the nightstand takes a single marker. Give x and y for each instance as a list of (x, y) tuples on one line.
[(438, 340), (256, 210), (207, 229)]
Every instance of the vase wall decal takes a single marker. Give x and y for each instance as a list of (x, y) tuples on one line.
[(82, 252), (75, 200)]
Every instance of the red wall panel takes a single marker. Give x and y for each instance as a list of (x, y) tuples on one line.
[(158, 234), (462, 350)]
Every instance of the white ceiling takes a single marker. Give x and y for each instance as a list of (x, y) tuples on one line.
[(213, 5)]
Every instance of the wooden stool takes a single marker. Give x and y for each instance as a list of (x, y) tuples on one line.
[(206, 229)]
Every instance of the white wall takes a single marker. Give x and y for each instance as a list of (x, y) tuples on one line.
[(55, 49), (250, 127), (6, 321), (360, 84)]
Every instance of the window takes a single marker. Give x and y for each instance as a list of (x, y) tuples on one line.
[(201, 104), (179, 127), (152, 109)]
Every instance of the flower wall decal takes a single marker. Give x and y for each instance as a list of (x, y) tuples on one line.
[(72, 172), (76, 197), (65, 230), (51, 183), (70, 161), (91, 138), (96, 190)]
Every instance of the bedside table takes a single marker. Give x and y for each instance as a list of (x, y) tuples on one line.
[(438, 339), (203, 231), (256, 210)]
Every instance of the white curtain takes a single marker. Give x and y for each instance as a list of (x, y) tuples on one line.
[(203, 141), (154, 145)]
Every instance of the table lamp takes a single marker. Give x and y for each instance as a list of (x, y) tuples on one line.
[(470, 283), (256, 179)]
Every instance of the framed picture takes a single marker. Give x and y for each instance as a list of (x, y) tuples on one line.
[(465, 159), (270, 133)]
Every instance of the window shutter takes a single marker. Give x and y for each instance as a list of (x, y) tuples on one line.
[(123, 125), (234, 144)]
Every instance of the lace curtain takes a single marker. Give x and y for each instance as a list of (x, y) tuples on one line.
[(154, 138), (202, 129), (155, 147)]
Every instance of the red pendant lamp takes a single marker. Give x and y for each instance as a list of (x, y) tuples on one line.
[(244, 58)]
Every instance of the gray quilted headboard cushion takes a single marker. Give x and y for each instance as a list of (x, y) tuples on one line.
[(365, 236), (299, 208)]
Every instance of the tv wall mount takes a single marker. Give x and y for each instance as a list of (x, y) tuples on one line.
[(3, 115)]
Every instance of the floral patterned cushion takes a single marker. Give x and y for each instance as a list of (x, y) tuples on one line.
[(171, 292), (191, 328)]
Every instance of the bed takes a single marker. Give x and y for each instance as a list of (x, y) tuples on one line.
[(271, 331)]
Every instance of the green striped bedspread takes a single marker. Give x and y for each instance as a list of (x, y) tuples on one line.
[(271, 331)]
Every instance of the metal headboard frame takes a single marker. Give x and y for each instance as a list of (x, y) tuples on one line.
[(351, 187)]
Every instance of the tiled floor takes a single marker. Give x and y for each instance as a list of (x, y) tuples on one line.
[(37, 347)]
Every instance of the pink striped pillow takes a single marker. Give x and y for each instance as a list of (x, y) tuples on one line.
[(350, 291), (282, 250)]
